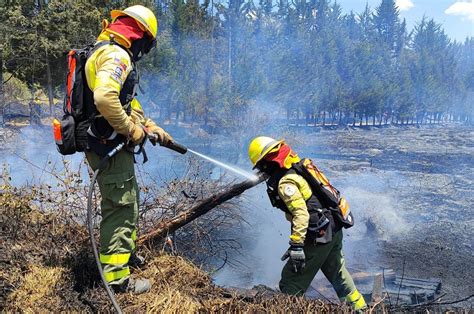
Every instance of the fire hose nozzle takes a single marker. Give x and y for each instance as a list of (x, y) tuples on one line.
[(177, 147), (171, 145)]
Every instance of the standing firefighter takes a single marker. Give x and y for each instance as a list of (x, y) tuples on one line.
[(112, 76), (317, 214)]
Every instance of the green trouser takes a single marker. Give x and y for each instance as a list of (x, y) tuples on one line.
[(119, 207), (327, 257)]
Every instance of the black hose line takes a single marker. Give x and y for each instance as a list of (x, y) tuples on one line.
[(110, 293), (103, 162), (90, 226)]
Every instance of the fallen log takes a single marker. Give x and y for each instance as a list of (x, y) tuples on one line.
[(362, 277), (427, 284), (163, 228)]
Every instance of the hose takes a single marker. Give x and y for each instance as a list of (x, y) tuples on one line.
[(102, 164)]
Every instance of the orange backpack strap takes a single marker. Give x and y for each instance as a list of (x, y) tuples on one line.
[(327, 194)]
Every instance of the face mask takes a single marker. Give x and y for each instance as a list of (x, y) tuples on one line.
[(142, 46), (268, 167)]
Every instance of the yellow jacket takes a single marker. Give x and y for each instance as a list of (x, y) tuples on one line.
[(294, 191), (106, 71)]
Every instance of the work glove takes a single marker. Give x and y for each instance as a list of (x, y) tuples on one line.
[(136, 133), (297, 257), (158, 135)]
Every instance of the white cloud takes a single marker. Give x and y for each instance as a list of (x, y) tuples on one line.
[(462, 8), (404, 5)]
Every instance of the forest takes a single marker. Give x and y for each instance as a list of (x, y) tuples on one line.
[(219, 60)]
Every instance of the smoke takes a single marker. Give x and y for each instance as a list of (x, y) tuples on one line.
[(264, 242), (375, 204), (32, 157)]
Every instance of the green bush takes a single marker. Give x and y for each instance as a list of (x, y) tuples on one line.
[(15, 90)]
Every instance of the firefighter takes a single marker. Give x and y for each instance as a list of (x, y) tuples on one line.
[(112, 75), (316, 236)]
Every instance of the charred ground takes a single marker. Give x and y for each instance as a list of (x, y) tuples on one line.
[(428, 174), (426, 226)]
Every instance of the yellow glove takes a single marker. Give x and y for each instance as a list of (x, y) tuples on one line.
[(158, 135), (136, 134)]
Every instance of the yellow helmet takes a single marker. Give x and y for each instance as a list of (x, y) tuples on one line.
[(260, 146), (144, 16)]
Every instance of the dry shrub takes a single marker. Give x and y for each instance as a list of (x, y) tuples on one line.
[(37, 249), (47, 265), (38, 289)]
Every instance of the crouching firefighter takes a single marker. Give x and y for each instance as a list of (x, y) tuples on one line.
[(317, 214)]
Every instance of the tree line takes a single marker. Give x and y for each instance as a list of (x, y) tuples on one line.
[(217, 60)]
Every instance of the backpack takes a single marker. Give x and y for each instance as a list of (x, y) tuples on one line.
[(70, 131), (327, 194)]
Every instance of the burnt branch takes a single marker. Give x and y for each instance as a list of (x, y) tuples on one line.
[(163, 228)]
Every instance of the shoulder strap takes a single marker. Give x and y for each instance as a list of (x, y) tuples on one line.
[(328, 195), (96, 46)]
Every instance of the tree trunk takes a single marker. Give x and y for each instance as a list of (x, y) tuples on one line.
[(185, 115), (2, 96), (162, 228), (230, 56), (50, 85)]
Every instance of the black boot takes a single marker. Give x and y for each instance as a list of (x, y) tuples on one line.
[(136, 261)]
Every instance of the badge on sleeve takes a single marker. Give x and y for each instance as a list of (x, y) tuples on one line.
[(117, 74), (290, 190)]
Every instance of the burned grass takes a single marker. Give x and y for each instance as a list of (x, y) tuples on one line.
[(47, 266)]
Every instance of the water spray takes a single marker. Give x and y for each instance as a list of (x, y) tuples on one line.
[(246, 174), (183, 150)]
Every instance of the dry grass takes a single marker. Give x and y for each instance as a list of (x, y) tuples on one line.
[(47, 266), (38, 288)]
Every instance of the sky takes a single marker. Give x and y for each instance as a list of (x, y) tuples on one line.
[(456, 16)]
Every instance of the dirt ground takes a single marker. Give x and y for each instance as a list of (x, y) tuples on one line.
[(418, 181), (427, 172)]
